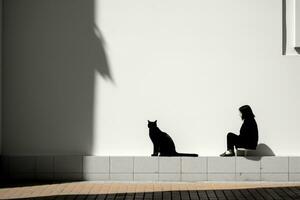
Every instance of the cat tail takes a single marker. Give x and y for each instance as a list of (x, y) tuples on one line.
[(187, 154)]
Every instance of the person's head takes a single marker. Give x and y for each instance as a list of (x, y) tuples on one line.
[(246, 112)]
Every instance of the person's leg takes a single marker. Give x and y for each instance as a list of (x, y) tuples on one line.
[(232, 140)]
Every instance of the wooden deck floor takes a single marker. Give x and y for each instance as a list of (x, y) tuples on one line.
[(142, 191)]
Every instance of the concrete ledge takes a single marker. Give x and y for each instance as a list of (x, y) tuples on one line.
[(151, 169)]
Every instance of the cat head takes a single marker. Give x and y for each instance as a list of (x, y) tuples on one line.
[(152, 124)]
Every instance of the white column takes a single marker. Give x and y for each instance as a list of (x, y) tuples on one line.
[(297, 23), (1, 2)]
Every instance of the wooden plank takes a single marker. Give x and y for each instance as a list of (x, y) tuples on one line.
[(176, 195), (129, 196), (148, 195), (273, 194), (238, 195), (167, 195), (184, 195), (101, 197), (289, 192), (81, 197), (194, 195), (295, 190), (229, 195), (110, 196), (139, 196), (60, 197), (220, 195), (247, 195), (255, 194), (70, 197), (157, 195), (120, 196), (91, 197), (211, 194), (202, 195), (263, 193), (282, 194)]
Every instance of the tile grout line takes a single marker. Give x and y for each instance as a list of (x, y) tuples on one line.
[(260, 177), (206, 168), (180, 177), (235, 168), (9, 168), (82, 176), (52, 159), (288, 169), (133, 158), (35, 167), (109, 171), (158, 171), (133, 176), (53, 165)]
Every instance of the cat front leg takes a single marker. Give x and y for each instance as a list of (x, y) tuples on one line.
[(155, 150)]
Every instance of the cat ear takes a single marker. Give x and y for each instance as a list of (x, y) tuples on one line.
[(155, 121), (148, 121)]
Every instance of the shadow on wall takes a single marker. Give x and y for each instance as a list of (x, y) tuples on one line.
[(52, 50), (261, 150)]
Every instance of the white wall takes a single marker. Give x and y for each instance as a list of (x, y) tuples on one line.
[(188, 64)]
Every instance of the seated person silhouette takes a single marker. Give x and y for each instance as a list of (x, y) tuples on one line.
[(248, 133)]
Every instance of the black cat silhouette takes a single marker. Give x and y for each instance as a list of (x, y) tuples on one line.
[(163, 144)]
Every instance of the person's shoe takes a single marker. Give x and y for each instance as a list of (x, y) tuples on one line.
[(228, 153)]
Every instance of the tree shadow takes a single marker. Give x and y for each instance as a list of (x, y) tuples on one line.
[(261, 150), (52, 50)]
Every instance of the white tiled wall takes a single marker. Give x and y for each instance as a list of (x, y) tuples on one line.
[(68, 167), (146, 177), (68, 164), (244, 165), (274, 164), (121, 165), (193, 177), (221, 177), (294, 165), (222, 165), (96, 164), (45, 164), (194, 165), (45, 167), (169, 165), (294, 168), (22, 164), (274, 177), (152, 169), (169, 177), (146, 165), (248, 176)]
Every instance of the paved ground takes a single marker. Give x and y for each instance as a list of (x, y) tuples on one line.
[(139, 191)]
